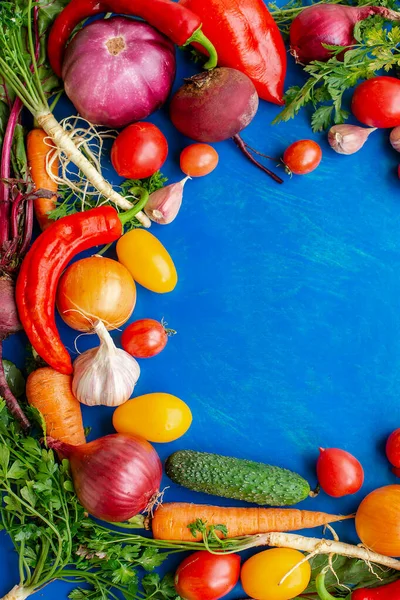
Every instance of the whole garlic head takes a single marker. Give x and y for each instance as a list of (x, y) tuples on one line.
[(105, 375)]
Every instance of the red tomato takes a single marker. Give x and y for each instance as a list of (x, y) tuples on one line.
[(145, 338), (339, 472), (393, 448), (139, 151), (206, 576), (302, 157), (376, 102), (198, 160)]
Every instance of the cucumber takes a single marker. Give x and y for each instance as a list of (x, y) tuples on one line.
[(236, 478)]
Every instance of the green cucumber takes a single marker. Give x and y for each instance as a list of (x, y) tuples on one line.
[(236, 478)]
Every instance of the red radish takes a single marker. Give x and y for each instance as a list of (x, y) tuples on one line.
[(118, 70), (339, 472), (115, 477), (216, 105), (376, 102), (331, 24)]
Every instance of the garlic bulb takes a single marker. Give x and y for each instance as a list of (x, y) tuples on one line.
[(395, 138), (348, 139), (104, 375)]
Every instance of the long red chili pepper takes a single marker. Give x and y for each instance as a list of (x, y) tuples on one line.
[(42, 267), (246, 38), (178, 23), (390, 591)]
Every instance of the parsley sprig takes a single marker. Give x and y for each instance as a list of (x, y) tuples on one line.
[(378, 48)]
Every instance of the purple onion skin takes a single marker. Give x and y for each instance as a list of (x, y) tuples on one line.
[(331, 24), (115, 477), (117, 71)]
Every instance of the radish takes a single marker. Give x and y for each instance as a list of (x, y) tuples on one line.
[(216, 105)]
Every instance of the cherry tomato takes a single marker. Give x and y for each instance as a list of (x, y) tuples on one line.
[(139, 151), (376, 102), (206, 576), (198, 160), (145, 338), (393, 448), (302, 157), (147, 261), (339, 472), (156, 417), (262, 573)]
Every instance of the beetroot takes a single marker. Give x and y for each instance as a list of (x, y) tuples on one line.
[(214, 105)]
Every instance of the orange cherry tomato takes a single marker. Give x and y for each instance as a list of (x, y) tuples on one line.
[(198, 160)]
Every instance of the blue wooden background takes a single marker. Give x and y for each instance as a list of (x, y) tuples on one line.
[(287, 311)]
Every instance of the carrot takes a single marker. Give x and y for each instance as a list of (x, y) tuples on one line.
[(170, 521), (38, 149), (50, 392)]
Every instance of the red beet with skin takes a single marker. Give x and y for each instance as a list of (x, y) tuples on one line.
[(215, 105)]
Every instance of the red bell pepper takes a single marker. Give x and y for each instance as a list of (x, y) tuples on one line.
[(246, 38)]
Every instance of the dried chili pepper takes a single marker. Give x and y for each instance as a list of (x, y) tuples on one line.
[(42, 267), (390, 591), (177, 22), (246, 38)]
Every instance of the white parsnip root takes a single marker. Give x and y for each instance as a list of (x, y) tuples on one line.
[(61, 139), (17, 593), (318, 546)]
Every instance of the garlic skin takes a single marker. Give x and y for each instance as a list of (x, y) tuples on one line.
[(105, 375), (348, 139), (395, 138), (164, 204)]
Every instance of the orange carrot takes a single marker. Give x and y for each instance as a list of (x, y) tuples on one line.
[(170, 521), (50, 392), (38, 148)]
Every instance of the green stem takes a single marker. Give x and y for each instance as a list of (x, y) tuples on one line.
[(136, 522), (143, 196), (323, 593), (201, 39)]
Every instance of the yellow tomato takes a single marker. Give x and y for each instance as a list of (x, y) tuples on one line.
[(155, 417), (262, 573), (147, 260)]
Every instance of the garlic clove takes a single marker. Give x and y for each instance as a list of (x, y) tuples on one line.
[(164, 204), (105, 375), (348, 139), (395, 138)]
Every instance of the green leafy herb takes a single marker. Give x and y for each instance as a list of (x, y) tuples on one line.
[(69, 203), (14, 377), (377, 48)]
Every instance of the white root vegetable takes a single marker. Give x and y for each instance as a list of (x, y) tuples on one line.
[(17, 593), (61, 139), (318, 546)]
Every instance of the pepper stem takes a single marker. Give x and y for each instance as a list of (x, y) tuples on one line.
[(201, 39), (142, 196), (322, 592)]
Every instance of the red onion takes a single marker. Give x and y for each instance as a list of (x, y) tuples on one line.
[(331, 24), (118, 70), (115, 477)]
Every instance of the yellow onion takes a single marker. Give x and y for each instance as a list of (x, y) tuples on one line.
[(96, 289), (378, 520)]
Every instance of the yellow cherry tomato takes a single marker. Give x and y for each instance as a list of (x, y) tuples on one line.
[(155, 417), (262, 573), (147, 261)]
